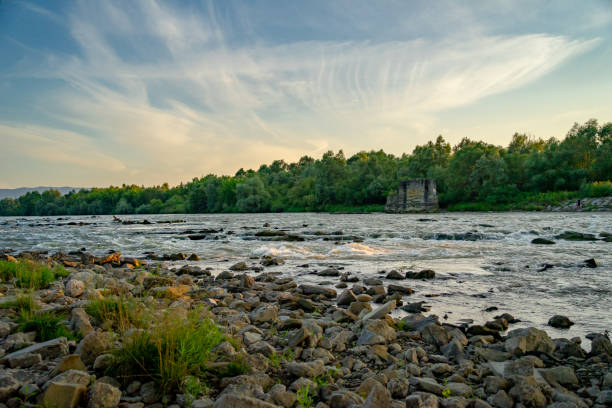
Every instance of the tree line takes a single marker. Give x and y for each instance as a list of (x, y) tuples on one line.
[(471, 171)]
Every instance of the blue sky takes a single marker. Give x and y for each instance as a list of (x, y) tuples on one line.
[(94, 93)]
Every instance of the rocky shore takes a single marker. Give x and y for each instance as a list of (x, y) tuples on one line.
[(274, 342)]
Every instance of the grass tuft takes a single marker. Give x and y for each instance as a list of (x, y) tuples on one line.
[(169, 351), (47, 325), (27, 274), (116, 312)]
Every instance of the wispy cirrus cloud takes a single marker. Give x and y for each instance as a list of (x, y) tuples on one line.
[(167, 96)]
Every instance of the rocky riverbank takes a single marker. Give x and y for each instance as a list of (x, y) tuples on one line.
[(275, 342)]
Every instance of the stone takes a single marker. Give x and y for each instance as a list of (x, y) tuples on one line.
[(398, 387), (356, 307), (308, 335), (542, 241), (527, 392), (103, 395), (318, 290), (241, 401), (148, 392), (92, 345), (309, 369), (74, 288), (428, 385), (103, 361), (73, 377), (47, 349), (8, 386), (240, 266), (600, 344), (501, 400), (422, 400), (376, 332), (404, 290), (24, 360), (80, 321), (379, 397), (424, 274), (380, 312), (264, 314), (560, 322), (70, 362), (563, 375), (459, 389), (281, 396), (63, 395), (346, 298), (395, 275), (330, 272), (521, 341)]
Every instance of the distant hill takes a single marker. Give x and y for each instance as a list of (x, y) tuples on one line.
[(18, 192)]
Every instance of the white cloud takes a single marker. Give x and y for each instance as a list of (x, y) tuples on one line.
[(211, 107)]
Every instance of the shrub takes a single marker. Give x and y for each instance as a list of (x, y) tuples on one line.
[(169, 351), (33, 276), (597, 189), (47, 325), (8, 270)]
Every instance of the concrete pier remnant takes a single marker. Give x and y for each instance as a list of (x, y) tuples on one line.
[(418, 195)]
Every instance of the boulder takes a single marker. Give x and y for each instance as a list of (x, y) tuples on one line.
[(424, 274), (560, 322), (318, 290), (527, 392), (600, 344), (376, 332), (74, 288), (521, 341), (8, 386), (79, 321), (395, 275), (103, 395), (379, 397), (264, 314), (380, 312), (48, 350), (309, 369), (63, 395), (241, 401), (346, 298), (92, 345)]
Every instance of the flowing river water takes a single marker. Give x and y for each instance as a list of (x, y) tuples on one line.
[(481, 260)]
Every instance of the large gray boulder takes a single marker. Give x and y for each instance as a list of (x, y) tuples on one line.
[(521, 341)]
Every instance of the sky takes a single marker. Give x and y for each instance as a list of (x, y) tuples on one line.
[(94, 93)]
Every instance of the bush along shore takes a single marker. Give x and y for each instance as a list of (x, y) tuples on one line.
[(80, 330)]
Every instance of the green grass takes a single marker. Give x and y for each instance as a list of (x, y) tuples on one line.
[(29, 275), (304, 399), (169, 351), (116, 312), (47, 325), (23, 302)]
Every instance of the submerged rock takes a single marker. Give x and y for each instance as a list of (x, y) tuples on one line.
[(560, 322)]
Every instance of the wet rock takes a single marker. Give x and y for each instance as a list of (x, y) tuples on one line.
[(395, 275), (240, 266), (318, 290), (346, 298), (521, 341), (63, 395), (424, 274), (306, 305), (380, 312), (329, 272), (590, 263), (560, 322), (600, 344), (103, 395), (542, 241), (404, 290), (576, 236)]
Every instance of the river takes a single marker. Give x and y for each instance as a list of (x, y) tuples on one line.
[(481, 260)]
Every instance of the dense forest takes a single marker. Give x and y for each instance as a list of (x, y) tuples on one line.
[(470, 175)]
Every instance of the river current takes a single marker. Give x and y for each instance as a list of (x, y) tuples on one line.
[(481, 260)]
